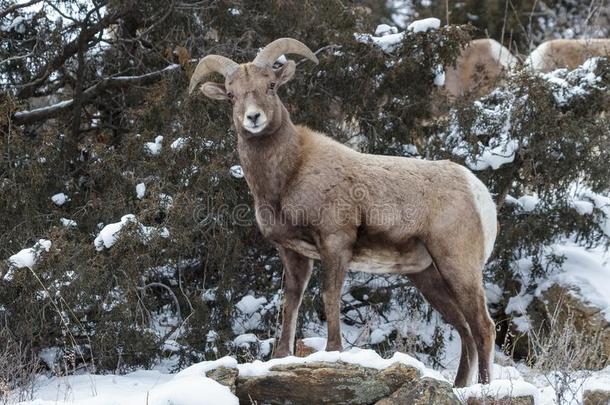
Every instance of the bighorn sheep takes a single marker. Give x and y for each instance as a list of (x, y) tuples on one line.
[(478, 68), (566, 53), (315, 198)]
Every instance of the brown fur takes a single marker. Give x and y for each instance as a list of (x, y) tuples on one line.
[(566, 53), (317, 199), (478, 68)]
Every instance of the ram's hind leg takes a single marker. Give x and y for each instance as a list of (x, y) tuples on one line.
[(466, 283), (297, 270), (432, 286)]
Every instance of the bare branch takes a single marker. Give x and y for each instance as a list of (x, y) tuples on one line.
[(28, 89), (43, 113), (17, 6)]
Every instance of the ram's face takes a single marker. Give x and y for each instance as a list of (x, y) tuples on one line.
[(252, 90), (251, 87)]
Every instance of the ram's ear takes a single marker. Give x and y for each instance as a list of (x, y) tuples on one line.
[(286, 72), (213, 90)]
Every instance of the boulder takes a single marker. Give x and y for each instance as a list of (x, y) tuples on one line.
[(525, 400), (226, 376), (422, 392), (596, 397), (324, 383), (586, 318)]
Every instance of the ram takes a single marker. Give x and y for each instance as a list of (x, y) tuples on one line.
[(316, 199), (566, 53), (478, 68)]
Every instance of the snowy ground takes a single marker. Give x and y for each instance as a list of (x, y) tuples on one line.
[(190, 386), (585, 269)]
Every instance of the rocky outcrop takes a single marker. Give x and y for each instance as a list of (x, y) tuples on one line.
[(422, 392), (525, 400), (336, 383), (573, 311), (596, 397)]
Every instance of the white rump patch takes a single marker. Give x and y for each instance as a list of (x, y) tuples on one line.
[(487, 210), (503, 55), (535, 61)]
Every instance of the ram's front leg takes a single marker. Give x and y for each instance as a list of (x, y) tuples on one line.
[(335, 254), (297, 270)]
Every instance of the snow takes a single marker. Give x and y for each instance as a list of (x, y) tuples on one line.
[(27, 257), (585, 272), (316, 343), (439, 76), (17, 25), (494, 157), (249, 314), (388, 43), (522, 323), (582, 207), (237, 172), (493, 293), (424, 25), (245, 340), (588, 270), (178, 144), (140, 387), (384, 29), (140, 190), (568, 86), (60, 199), (49, 355), (518, 304), (602, 203), (363, 357), (494, 120), (402, 11), (378, 336), (109, 235), (68, 223), (166, 201), (528, 202), (599, 381), (499, 389), (250, 304), (154, 148)]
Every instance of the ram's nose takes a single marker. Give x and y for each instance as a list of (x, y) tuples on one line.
[(253, 117)]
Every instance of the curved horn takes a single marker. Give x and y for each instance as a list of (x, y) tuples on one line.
[(281, 46), (211, 64)]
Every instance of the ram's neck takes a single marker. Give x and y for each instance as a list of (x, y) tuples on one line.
[(270, 162)]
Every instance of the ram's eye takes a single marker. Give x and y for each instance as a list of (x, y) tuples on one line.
[(231, 96), (272, 86)]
